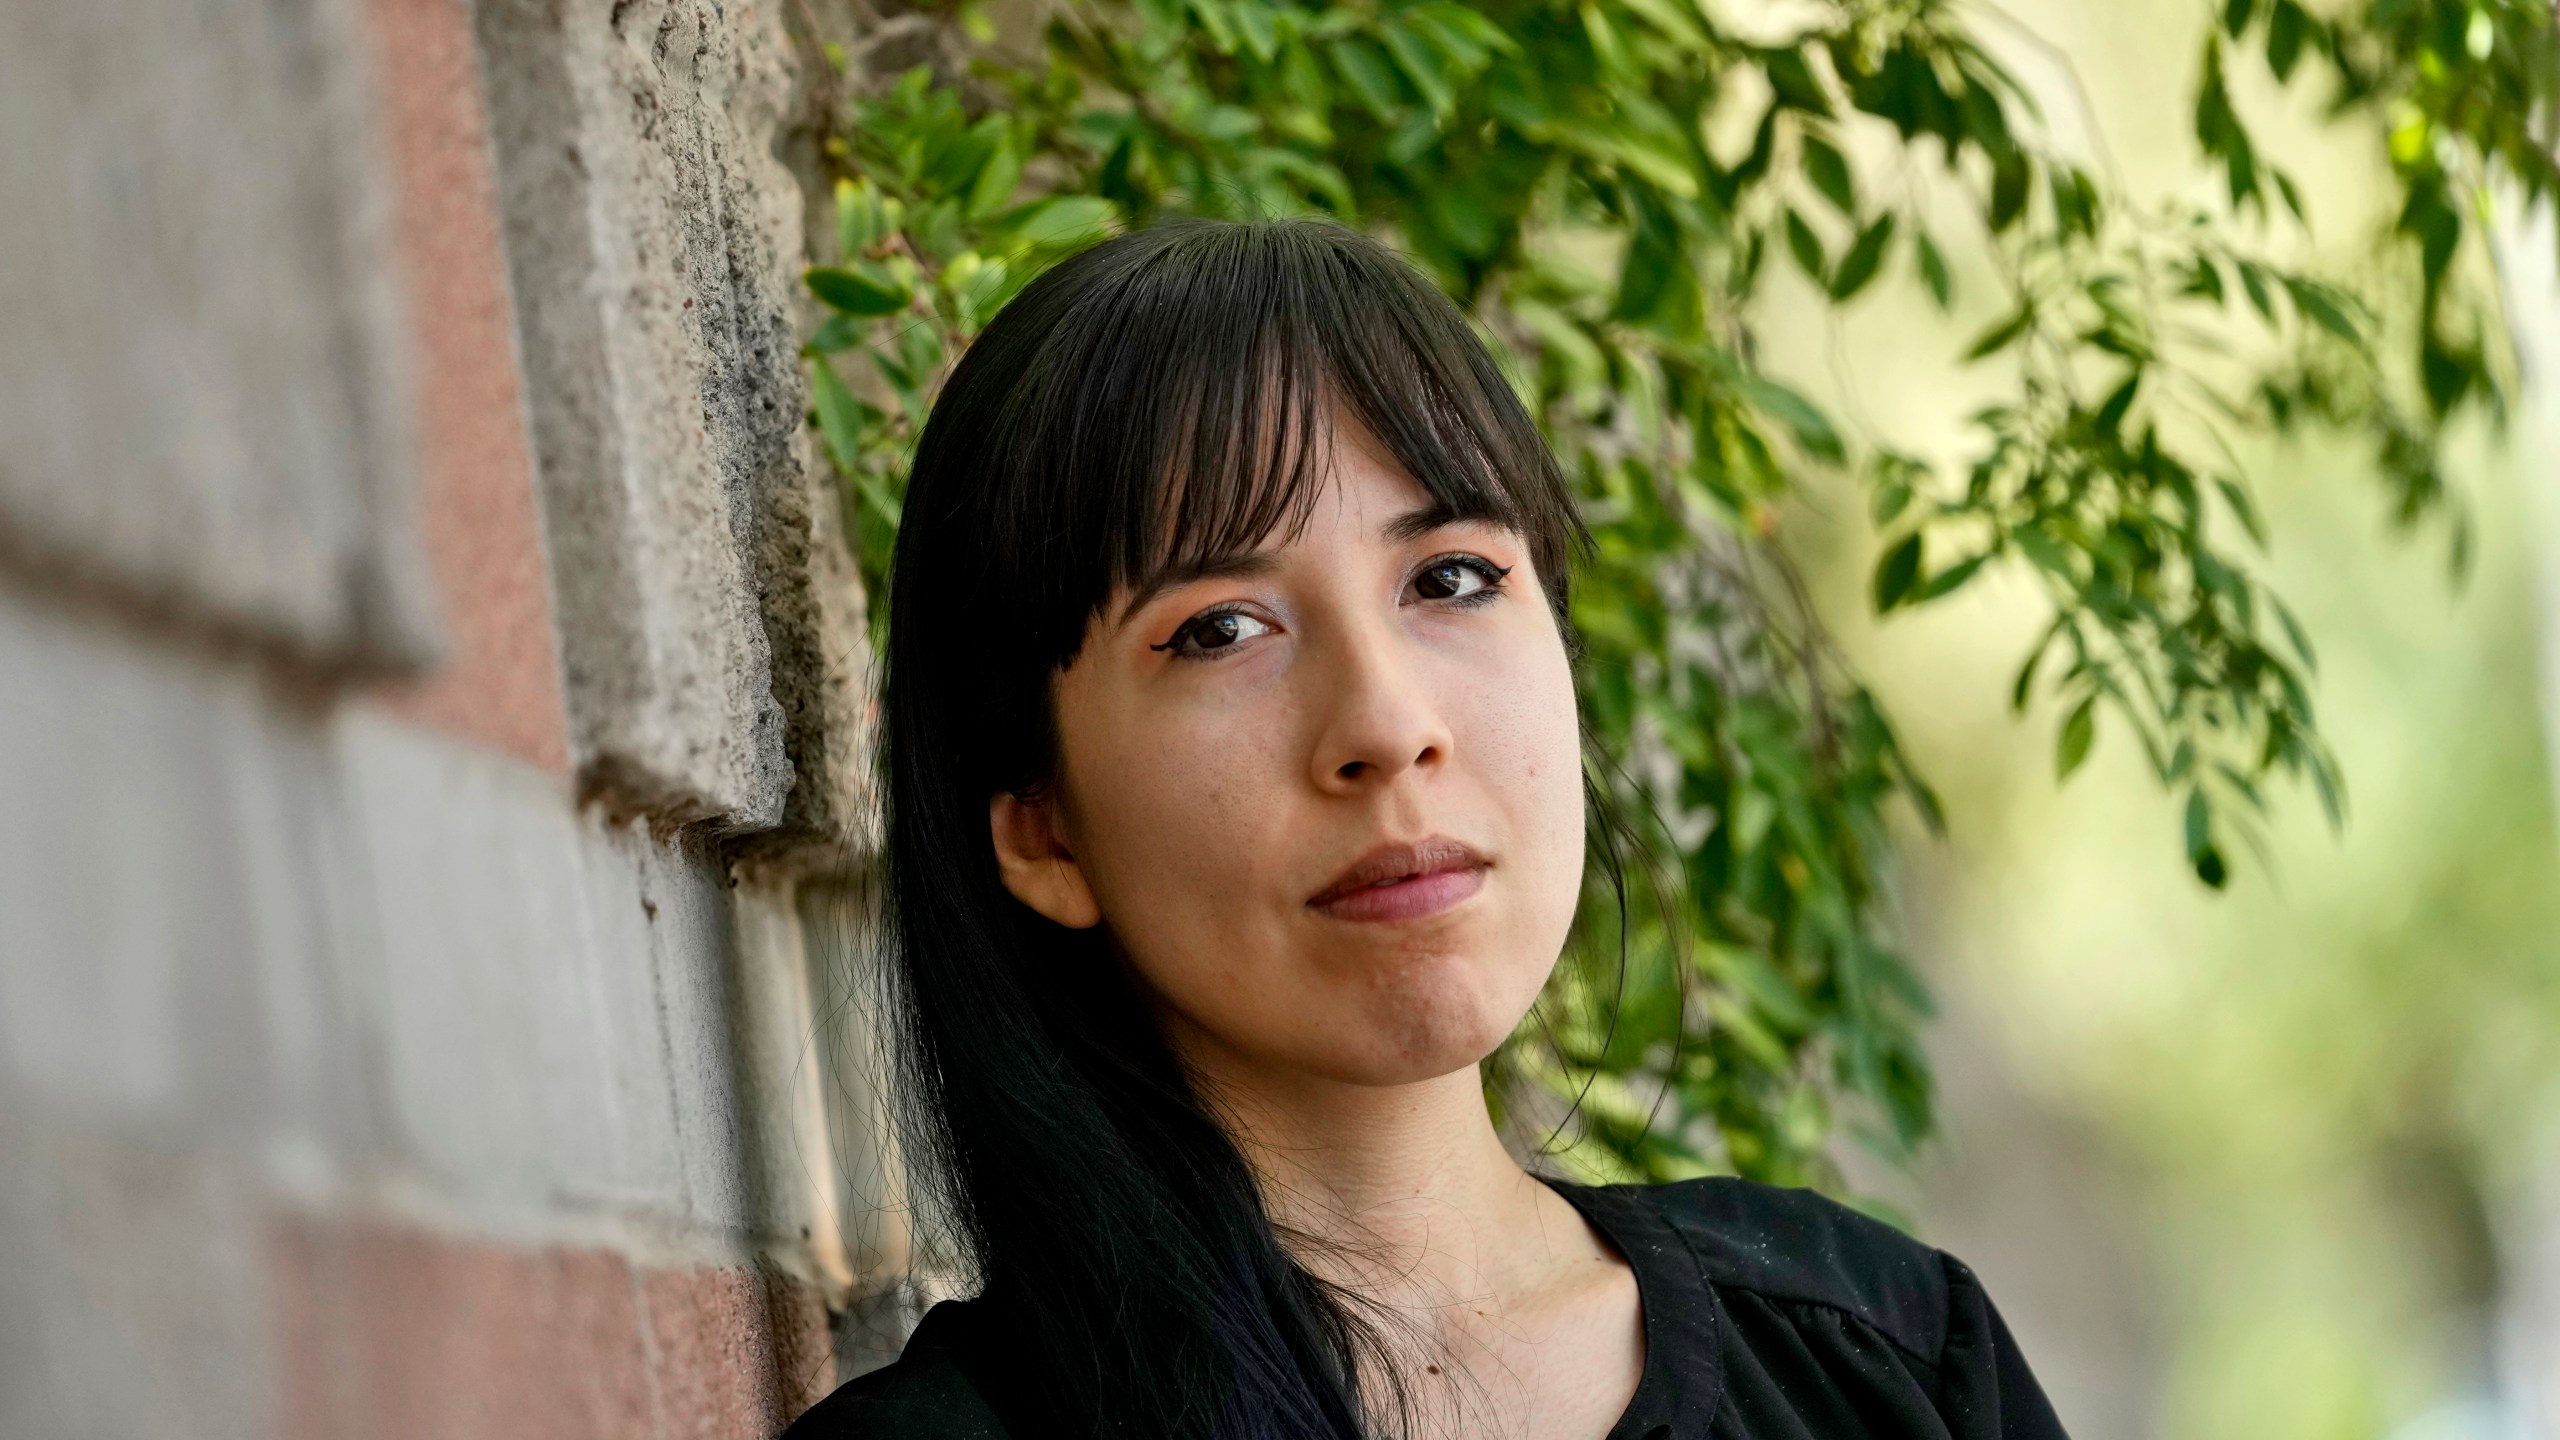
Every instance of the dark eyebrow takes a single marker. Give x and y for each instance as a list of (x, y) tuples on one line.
[(1403, 529), (1414, 524), (1209, 567)]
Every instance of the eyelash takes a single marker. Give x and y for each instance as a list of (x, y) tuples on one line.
[(1493, 576)]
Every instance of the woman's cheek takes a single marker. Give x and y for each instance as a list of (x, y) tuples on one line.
[(1171, 837), (1534, 760)]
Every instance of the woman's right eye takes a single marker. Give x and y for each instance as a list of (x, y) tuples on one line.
[(1205, 635)]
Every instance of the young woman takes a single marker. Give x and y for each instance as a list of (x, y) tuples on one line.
[(1235, 813)]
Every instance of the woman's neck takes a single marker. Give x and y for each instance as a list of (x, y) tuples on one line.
[(1403, 1192), (1515, 1319)]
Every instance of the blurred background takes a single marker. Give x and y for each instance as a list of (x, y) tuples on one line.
[(2282, 1160), (433, 825)]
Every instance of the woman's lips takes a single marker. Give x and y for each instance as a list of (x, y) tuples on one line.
[(1395, 883)]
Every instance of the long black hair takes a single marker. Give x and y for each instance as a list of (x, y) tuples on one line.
[(1159, 399)]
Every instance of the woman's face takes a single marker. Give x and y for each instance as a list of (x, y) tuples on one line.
[(1327, 800)]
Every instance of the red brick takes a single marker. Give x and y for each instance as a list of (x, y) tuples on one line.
[(398, 1335), (500, 685), (759, 1352)]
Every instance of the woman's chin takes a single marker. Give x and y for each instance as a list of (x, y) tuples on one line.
[(1422, 1036), (1410, 1019)]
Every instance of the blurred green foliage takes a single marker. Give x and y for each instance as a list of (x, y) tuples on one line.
[(1610, 189)]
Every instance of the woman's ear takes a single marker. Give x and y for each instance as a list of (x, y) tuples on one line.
[(1037, 866)]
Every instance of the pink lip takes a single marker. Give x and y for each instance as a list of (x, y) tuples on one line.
[(1396, 883)]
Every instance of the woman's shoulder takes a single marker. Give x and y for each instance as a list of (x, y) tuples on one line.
[(1802, 1247), (926, 1394), (1792, 1273)]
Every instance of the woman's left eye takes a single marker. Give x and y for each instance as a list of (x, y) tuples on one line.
[(1458, 577), (1204, 636)]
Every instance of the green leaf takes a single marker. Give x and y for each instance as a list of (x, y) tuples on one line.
[(2047, 554), (2292, 195), (2237, 497), (1933, 270), (2325, 307), (1461, 215), (868, 290), (1896, 572), (839, 414), (955, 166), (2079, 732), (2110, 418), (1465, 32), (1606, 43), (858, 218), (1828, 169), (1865, 257), (2333, 801), (993, 189), (2211, 869), (1812, 429), (1675, 22), (2241, 156), (2182, 763), (1423, 65), (1652, 267), (1258, 25), (2298, 637), (1364, 68), (1653, 160), (2445, 375), (2287, 28), (1807, 248), (2253, 279), (1792, 78), (2204, 279), (1062, 222), (1215, 19), (2009, 177), (2437, 225), (1953, 578), (2075, 201), (975, 299), (837, 333), (2218, 129), (2023, 689), (2001, 336), (1567, 346)]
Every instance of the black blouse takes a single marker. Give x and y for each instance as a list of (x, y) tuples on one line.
[(1769, 1314)]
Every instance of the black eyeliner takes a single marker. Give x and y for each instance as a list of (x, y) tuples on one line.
[(1493, 576), (1188, 625)]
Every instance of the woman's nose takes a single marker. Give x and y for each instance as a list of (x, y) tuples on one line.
[(1381, 717)]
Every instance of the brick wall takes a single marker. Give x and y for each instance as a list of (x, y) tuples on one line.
[(431, 818)]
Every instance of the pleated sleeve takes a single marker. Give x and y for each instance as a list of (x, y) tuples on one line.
[(1985, 1391)]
